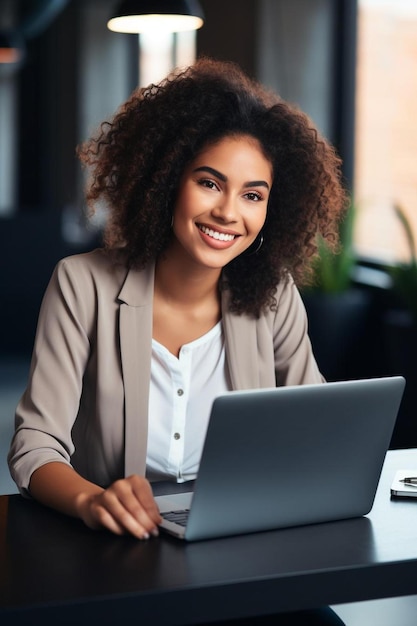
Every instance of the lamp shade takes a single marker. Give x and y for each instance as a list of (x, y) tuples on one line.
[(139, 16)]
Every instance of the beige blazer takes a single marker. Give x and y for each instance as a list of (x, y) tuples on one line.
[(86, 402)]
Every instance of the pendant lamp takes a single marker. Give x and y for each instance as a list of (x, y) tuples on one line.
[(139, 16)]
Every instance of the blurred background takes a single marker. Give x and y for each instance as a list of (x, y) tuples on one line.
[(350, 64)]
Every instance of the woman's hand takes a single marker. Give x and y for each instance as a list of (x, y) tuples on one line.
[(127, 506)]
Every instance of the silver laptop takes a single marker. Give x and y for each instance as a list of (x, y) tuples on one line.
[(289, 456)]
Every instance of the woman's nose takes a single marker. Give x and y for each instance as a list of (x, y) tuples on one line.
[(225, 209)]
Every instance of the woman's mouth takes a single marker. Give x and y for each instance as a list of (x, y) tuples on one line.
[(215, 234)]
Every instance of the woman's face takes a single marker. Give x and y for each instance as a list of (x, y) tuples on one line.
[(222, 201)]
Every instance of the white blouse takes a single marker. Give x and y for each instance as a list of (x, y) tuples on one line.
[(182, 391)]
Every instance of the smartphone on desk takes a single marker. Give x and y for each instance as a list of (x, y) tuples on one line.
[(405, 484)]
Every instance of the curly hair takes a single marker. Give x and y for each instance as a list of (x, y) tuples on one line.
[(137, 158)]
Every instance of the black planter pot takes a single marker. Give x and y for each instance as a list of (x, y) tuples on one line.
[(400, 339), (337, 326)]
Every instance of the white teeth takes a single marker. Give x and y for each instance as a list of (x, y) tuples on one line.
[(215, 234)]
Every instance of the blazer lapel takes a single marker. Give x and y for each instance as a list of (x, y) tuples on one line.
[(135, 327)]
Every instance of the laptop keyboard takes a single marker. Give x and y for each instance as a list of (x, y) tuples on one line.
[(178, 517)]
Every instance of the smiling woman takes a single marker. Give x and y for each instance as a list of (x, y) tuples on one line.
[(216, 190)]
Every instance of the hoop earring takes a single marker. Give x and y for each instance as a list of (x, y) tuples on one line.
[(248, 252)]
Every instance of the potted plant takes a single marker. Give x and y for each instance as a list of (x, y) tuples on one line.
[(337, 310), (404, 275), (400, 333)]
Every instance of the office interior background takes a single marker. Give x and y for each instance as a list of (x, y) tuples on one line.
[(349, 64)]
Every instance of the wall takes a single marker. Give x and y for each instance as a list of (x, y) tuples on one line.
[(76, 73), (296, 55)]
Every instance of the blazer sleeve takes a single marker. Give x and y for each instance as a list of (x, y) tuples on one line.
[(48, 408)]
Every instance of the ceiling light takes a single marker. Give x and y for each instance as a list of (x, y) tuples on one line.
[(139, 16)]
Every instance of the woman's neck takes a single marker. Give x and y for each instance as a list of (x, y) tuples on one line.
[(183, 284), (186, 302)]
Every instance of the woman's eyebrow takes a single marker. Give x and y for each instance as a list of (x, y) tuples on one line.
[(257, 183), (217, 174), (211, 170)]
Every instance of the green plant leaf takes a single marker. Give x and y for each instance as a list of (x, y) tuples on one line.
[(408, 232), (333, 271), (404, 275)]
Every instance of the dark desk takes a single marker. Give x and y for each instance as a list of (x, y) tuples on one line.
[(55, 570)]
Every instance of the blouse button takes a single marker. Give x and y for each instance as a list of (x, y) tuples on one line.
[(177, 436), (180, 392)]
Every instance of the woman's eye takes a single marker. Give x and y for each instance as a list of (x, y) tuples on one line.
[(205, 182), (253, 196)]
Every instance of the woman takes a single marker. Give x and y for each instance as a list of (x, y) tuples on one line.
[(215, 191)]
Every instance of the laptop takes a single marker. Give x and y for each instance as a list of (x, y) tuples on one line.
[(288, 456)]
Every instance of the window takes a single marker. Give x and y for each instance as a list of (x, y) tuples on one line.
[(8, 148), (386, 126), (160, 52)]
